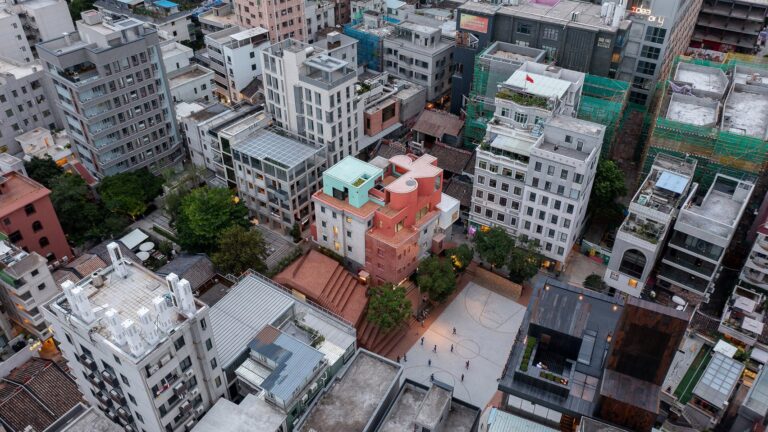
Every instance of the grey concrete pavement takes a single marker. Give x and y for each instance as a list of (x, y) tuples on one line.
[(486, 325)]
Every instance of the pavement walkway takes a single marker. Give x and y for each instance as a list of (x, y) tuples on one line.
[(486, 325)]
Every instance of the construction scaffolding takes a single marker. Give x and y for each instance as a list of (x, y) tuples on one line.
[(493, 66), (370, 47), (603, 101), (717, 150)]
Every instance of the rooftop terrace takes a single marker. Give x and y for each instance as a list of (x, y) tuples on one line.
[(561, 12), (720, 209), (272, 146), (351, 402), (665, 186), (705, 81)]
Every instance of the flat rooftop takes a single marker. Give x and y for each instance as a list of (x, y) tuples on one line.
[(188, 74), (719, 380), (703, 78), (349, 169), (18, 70), (252, 414), (757, 397), (502, 421), (512, 53), (18, 191), (90, 419), (746, 111), (693, 110), (721, 208), (228, 20), (542, 85), (664, 186), (355, 398), (271, 146), (560, 13), (576, 125)]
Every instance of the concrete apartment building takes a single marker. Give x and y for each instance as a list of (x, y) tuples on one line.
[(318, 16), (661, 30), (38, 20), (643, 234), (195, 120), (577, 35), (188, 82), (534, 172), (27, 101), (284, 336), (418, 53), (703, 231), (725, 25), (395, 208), (28, 218), (139, 346), (283, 20), (234, 55), (165, 17), (276, 176), (338, 45), (26, 285), (114, 94), (217, 18), (313, 95)]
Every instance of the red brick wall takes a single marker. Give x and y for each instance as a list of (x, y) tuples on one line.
[(51, 229)]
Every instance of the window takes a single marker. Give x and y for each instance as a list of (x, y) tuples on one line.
[(35, 272), (502, 201), (578, 178), (551, 170), (138, 416), (492, 183), (633, 263), (179, 343), (557, 205), (569, 209), (117, 359), (532, 197), (560, 189), (132, 399), (566, 223), (479, 193), (544, 200), (500, 217), (29, 209), (208, 344), (638, 98), (650, 52), (542, 215), (41, 286), (124, 380), (521, 118), (553, 219), (37, 226), (218, 381), (535, 182), (213, 363), (550, 33), (491, 197), (524, 28), (203, 325), (564, 174), (488, 213), (505, 187), (527, 225), (185, 364), (480, 180), (44, 241), (537, 167), (646, 68), (477, 209), (655, 35)]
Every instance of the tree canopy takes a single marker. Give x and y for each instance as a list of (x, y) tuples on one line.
[(43, 170), (240, 249), (595, 282), (202, 216), (460, 256), (388, 306), (436, 277), (494, 246), (524, 261), (130, 193), (606, 189)]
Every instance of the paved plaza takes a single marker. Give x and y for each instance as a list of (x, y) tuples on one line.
[(492, 321)]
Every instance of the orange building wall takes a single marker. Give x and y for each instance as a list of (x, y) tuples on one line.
[(374, 122)]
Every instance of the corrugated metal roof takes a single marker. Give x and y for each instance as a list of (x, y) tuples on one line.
[(295, 363), (500, 421), (542, 85), (719, 380), (242, 313)]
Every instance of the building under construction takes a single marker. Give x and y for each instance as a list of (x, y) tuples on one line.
[(603, 100), (716, 113)]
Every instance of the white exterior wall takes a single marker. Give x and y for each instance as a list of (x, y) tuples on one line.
[(177, 29), (15, 45), (243, 66), (40, 288), (344, 223), (51, 20), (317, 16), (199, 88)]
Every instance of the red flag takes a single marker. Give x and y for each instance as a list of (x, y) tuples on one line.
[(528, 78)]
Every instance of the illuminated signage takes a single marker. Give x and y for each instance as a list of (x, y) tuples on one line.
[(474, 23), (659, 20)]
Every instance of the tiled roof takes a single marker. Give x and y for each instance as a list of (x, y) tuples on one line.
[(36, 394), (197, 269), (460, 190), (451, 159), (438, 124)]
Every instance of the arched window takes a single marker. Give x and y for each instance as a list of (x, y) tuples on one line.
[(44, 241), (633, 263), (36, 226)]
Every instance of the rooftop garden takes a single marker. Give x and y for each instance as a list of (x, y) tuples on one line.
[(522, 99), (647, 231), (692, 376), (529, 346)]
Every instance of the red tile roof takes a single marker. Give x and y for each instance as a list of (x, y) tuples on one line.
[(438, 124), (36, 394)]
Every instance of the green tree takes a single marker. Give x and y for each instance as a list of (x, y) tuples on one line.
[(130, 193), (203, 214), (436, 277), (524, 261), (606, 189), (296, 232), (595, 283), (460, 256), (494, 246), (43, 170), (240, 249), (388, 306)]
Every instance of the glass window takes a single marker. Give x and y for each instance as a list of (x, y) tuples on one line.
[(633, 263), (655, 34), (650, 52)]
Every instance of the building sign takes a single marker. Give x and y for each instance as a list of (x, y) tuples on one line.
[(474, 23), (648, 14)]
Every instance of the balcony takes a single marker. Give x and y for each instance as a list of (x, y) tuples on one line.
[(110, 379), (683, 279), (117, 396), (164, 385), (95, 381), (88, 362), (91, 94), (704, 268), (124, 414)]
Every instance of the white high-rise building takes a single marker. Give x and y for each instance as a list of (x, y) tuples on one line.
[(313, 95), (139, 346), (24, 23), (535, 169)]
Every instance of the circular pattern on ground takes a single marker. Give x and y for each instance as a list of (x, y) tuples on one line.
[(466, 348)]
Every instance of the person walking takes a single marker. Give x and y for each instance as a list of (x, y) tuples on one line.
[(398, 359), (467, 365), (432, 377), (422, 340), (451, 347), (429, 362), (454, 331), (462, 377), (434, 350), (405, 357)]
